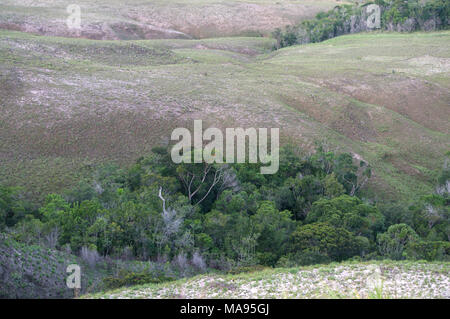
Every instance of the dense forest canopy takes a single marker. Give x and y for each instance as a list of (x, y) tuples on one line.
[(231, 215)]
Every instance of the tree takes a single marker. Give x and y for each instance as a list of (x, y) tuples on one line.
[(275, 228), (53, 208), (29, 230), (332, 187), (430, 217), (298, 194), (171, 225), (393, 242), (12, 208), (348, 212), (200, 179), (171, 231), (277, 35), (336, 243), (443, 187), (323, 159), (215, 224), (230, 202), (353, 177)]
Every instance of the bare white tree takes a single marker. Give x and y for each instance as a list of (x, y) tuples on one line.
[(193, 181), (171, 223), (90, 256), (363, 174), (229, 181), (245, 248), (52, 238), (198, 262)]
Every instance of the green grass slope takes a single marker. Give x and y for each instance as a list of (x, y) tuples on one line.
[(385, 279), (67, 104)]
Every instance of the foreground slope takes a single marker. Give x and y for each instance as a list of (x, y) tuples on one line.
[(67, 104), (346, 280), (31, 271), (36, 271)]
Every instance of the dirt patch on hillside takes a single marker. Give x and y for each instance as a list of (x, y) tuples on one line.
[(419, 100), (11, 86), (430, 65), (345, 117), (218, 19)]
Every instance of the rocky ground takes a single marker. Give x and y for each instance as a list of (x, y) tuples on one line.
[(386, 279)]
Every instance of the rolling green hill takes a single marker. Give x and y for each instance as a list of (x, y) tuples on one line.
[(67, 104), (150, 19)]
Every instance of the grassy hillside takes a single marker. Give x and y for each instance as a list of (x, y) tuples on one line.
[(345, 280), (113, 19), (67, 104)]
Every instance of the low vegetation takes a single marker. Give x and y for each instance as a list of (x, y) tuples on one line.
[(371, 280)]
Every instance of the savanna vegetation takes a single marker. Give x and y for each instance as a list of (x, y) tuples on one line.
[(196, 217), (77, 113)]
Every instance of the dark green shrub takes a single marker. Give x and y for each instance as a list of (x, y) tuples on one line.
[(12, 208), (393, 242), (246, 269), (348, 212), (322, 239), (130, 278), (428, 250), (303, 258)]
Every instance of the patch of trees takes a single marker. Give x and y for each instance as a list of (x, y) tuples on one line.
[(395, 15), (202, 216)]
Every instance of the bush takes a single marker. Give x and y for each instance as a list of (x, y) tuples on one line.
[(129, 278), (12, 208), (348, 212), (198, 261), (246, 269), (321, 240), (393, 242), (90, 255), (428, 250), (303, 258)]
